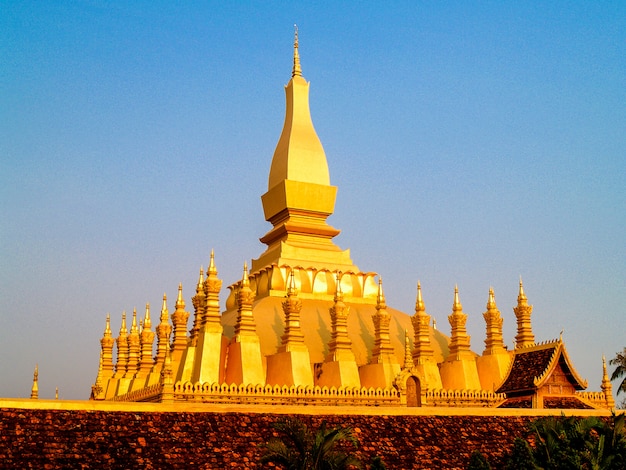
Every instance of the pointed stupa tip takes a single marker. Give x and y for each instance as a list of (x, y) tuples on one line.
[(491, 303), (211, 269), (408, 357), (297, 70), (338, 292), (180, 303), (419, 302), (34, 391), (292, 283), (123, 326), (522, 294), (147, 323), (107, 328), (245, 281), (164, 312), (381, 294), (457, 303), (200, 280), (133, 326)]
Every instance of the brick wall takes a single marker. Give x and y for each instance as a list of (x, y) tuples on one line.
[(40, 438)]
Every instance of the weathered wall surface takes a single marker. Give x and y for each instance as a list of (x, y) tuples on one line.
[(40, 438)]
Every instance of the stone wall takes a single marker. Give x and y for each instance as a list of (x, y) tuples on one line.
[(44, 438)]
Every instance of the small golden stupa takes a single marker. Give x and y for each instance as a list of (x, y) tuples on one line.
[(305, 325)]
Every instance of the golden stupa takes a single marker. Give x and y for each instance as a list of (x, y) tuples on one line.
[(305, 326)]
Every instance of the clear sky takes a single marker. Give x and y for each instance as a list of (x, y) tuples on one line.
[(471, 142)]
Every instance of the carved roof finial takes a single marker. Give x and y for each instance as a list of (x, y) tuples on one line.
[(297, 70)]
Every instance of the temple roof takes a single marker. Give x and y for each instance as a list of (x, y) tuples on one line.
[(532, 366)]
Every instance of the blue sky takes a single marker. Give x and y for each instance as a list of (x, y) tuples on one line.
[(471, 143)]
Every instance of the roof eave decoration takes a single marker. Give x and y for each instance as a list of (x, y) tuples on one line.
[(582, 383), (560, 350)]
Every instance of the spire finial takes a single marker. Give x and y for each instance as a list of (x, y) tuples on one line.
[(107, 328), (419, 303), (147, 323), (245, 280), (338, 292), (297, 70), (180, 303), (34, 392), (133, 325), (456, 306), (292, 283), (200, 280), (211, 268), (408, 358), (522, 294), (606, 387), (491, 303), (123, 330), (380, 298)]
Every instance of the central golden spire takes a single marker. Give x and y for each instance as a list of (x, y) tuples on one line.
[(297, 70), (299, 155), (299, 195)]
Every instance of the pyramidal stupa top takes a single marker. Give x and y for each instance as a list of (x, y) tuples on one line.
[(299, 155), (299, 195)]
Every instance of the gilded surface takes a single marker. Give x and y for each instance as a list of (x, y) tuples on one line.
[(306, 326)]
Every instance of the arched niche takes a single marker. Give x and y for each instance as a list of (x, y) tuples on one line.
[(413, 392)]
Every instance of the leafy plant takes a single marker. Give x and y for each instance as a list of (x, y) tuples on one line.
[(478, 462), (300, 448)]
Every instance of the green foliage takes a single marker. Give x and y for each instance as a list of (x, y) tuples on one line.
[(378, 464), (572, 443), (620, 370), (478, 462), (301, 449), (521, 457)]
